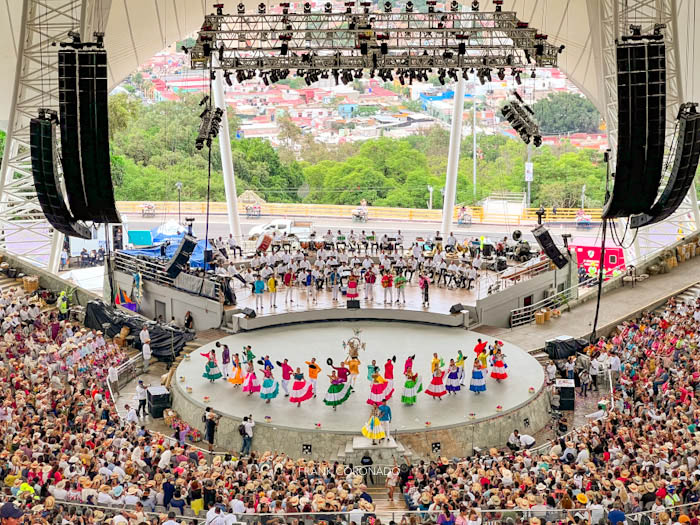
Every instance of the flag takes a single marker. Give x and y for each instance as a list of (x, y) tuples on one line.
[(117, 294)]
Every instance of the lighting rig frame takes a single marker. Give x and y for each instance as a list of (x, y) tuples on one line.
[(408, 43), (522, 118)]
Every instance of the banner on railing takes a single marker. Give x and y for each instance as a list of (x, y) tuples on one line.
[(196, 285)]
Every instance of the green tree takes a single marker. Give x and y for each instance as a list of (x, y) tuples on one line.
[(559, 113)]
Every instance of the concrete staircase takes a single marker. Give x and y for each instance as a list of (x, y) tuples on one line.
[(689, 296), (382, 453), (385, 509)]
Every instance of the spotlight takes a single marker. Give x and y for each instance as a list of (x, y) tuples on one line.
[(261, 8), (454, 6), (204, 101), (265, 80), (227, 78), (307, 8), (241, 8), (221, 54), (462, 49), (328, 7), (284, 49), (384, 48), (561, 49), (240, 77), (335, 76), (465, 76), (537, 141), (204, 113), (475, 5), (499, 5), (517, 78), (636, 30), (501, 73), (219, 9), (409, 6), (533, 75), (358, 73), (387, 7), (184, 49), (364, 48)]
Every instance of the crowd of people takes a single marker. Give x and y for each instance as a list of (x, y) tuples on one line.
[(63, 441), (354, 265)]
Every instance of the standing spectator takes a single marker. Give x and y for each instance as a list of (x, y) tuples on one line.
[(144, 335), (64, 259), (594, 371), (211, 420), (189, 321), (615, 367), (113, 376), (141, 396), (585, 380), (247, 434), (146, 353), (569, 366), (259, 289)]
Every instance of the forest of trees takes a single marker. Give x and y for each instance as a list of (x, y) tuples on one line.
[(153, 148)]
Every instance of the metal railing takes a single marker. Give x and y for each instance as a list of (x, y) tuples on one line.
[(526, 314), (345, 212), (522, 272), (152, 271)]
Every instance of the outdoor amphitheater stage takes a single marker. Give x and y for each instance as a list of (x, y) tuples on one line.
[(451, 426)]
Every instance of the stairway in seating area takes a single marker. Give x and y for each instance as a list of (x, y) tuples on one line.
[(385, 509)]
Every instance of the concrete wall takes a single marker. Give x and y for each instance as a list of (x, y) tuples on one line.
[(495, 309), (456, 440), (207, 313)]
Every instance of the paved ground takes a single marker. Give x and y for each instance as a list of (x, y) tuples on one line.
[(615, 306)]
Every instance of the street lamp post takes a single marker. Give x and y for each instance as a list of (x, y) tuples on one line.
[(178, 185), (430, 200)]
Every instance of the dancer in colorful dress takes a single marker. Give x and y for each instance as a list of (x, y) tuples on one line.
[(270, 386), (389, 372), (478, 383), (372, 369), (379, 391), (411, 388), (338, 392), (483, 359), (211, 369), (373, 428), (460, 364), (498, 370), (237, 378), (248, 353), (408, 364), (452, 384), (352, 287), (301, 390), (251, 383), (436, 389), (354, 369), (314, 370)]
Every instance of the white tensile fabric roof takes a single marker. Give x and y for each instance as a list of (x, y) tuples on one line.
[(137, 29)]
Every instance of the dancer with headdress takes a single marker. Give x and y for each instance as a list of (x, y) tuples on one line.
[(436, 389), (339, 390), (237, 378), (452, 383), (478, 383), (301, 390), (211, 369), (270, 387), (408, 364), (498, 366), (379, 391), (373, 428), (251, 383), (411, 388)]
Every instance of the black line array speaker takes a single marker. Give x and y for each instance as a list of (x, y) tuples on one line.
[(567, 398), (70, 134), (641, 95), (353, 304), (181, 258), (685, 164), (94, 134), (42, 132), (544, 239)]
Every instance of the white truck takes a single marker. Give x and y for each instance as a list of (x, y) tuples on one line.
[(298, 229)]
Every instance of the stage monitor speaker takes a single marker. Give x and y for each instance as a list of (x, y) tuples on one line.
[(180, 259), (685, 164), (158, 396), (567, 398), (641, 94), (353, 304), (544, 239), (94, 135), (249, 313), (70, 134), (456, 308), (208, 256), (42, 133)]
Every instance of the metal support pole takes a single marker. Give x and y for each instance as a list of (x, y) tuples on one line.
[(234, 222), (474, 147), (55, 253), (453, 158)]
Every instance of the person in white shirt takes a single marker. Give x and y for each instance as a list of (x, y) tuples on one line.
[(233, 246), (131, 416), (141, 396), (171, 519), (165, 458), (144, 335), (113, 377), (451, 242), (146, 353), (527, 441)]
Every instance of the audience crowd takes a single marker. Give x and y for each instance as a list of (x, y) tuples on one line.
[(63, 441)]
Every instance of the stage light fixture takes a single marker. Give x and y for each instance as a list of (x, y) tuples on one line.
[(462, 49), (475, 5), (533, 74), (240, 77), (384, 48), (261, 8), (465, 76), (409, 6), (335, 75), (328, 7), (307, 8), (221, 53), (501, 73), (454, 6), (561, 49), (241, 8), (227, 78), (219, 9), (499, 5), (284, 48), (204, 100)]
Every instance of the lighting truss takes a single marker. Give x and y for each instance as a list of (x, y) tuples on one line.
[(408, 41), (522, 118)]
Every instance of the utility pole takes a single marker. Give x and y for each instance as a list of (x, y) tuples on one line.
[(430, 199), (528, 177), (583, 197)]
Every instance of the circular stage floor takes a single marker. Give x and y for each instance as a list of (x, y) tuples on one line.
[(383, 340)]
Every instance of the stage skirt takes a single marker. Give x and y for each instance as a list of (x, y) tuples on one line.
[(478, 383), (270, 389), (251, 383), (411, 389), (211, 371), (301, 391), (337, 394), (498, 371), (378, 393), (436, 387), (452, 383), (373, 429)]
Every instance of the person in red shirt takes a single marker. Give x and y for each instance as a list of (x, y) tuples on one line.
[(480, 346), (389, 372), (287, 372), (370, 279), (387, 284)]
